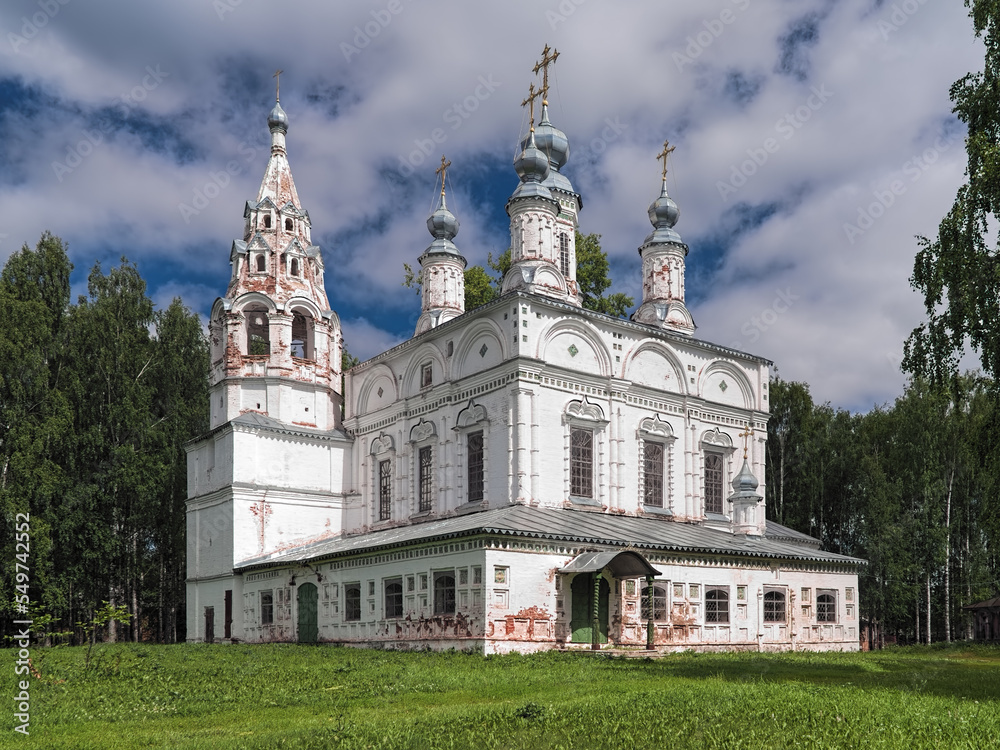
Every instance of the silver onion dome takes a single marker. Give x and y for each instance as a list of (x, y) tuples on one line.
[(277, 120)]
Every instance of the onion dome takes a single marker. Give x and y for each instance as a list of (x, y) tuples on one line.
[(277, 120), (532, 166), (443, 225), (745, 483), (663, 214)]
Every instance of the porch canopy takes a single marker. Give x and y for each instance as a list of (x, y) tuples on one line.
[(622, 564)]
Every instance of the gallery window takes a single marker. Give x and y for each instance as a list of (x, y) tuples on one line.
[(258, 331), (426, 375), (564, 254), (394, 597), (444, 593), (826, 606), (659, 602), (425, 478), (267, 607), (581, 462), (652, 473), (352, 601), (717, 605), (713, 483), (261, 264), (774, 606), (474, 452), (384, 490), (301, 336)]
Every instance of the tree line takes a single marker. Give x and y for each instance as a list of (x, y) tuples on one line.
[(910, 487), (97, 399)]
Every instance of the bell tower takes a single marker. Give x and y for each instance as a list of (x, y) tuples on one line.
[(276, 344)]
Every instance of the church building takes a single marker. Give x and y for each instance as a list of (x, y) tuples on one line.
[(523, 476)]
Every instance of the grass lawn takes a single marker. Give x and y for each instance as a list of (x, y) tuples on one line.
[(288, 696)]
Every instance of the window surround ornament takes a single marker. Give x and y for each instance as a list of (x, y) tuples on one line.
[(422, 435), (382, 449), (472, 419), (717, 442), (654, 429), (583, 414)]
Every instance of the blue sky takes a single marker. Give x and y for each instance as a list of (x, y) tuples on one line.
[(814, 140)]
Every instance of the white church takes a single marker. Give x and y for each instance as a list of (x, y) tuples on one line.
[(524, 476)]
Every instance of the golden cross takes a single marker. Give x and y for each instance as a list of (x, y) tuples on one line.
[(277, 84), (667, 150), (748, 433), (543, 65), (532, 95), (441, 171)]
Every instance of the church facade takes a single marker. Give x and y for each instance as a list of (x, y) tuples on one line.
[(527, 475)]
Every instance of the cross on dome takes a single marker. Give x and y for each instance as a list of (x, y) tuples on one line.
[(441, 171), (277, 84), (543, 65), (667, 150), (746, 435), (530, 102)]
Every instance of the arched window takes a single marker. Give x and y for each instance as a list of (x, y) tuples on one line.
[(258, 332), (301, 336), (717, 605), (295, 267), (261, 263), (659, 602), (826, 607), (394, 597), (774, 606), (288, 225), (444, 593), (267, 221)]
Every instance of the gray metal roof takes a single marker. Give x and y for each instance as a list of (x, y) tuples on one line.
[(560, 525), (622, 563)]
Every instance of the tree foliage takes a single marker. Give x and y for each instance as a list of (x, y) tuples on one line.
[(96, 402), (958, 273)]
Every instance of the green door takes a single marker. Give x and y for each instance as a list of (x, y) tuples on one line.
[(582, 591), (307, 596)]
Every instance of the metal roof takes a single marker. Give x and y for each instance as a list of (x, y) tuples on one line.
[(622, 564), (559, 525)]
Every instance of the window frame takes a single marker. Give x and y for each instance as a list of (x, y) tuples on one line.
[(425, 478), (442, 595), (661, 601), (581, 462), (475, 466), (266, 607), (715, 442), (715, 596), (579, 418), (769, 611), (395, 609), (382, 449), (826, 611), (470, 420), (713, 491), (352, 602), (383, 469)]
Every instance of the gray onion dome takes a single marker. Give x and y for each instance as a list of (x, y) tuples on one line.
[(442, 224), (277, 120), (745, 483), (532, 165), (550, 140), (663, 214)]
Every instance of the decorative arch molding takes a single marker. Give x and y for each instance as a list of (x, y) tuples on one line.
[(423, 430), (411, 376), (739, 378), (472, 415), (585, 332), (668, 354), (382, 444), (718, 439), (378, 373), (464, 351), (259, 244), (654, 427), (303, 304), (584, 411), (253, 298)]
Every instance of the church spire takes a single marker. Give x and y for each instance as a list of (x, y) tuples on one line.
[(663, 255), (442, 266)]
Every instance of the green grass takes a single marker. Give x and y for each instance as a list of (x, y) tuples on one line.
[(286, 696)]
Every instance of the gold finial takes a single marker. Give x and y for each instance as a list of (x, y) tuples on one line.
[(543, 65), (441, 171), (532, 95), (746, 435), (667, 150), (277, 84)]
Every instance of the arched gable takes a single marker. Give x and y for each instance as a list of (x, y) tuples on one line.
[(303, 304), (723, 382), (412, 375), (481, 347), (654, 365), (379, 378), (253, 298), (574, 345)]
